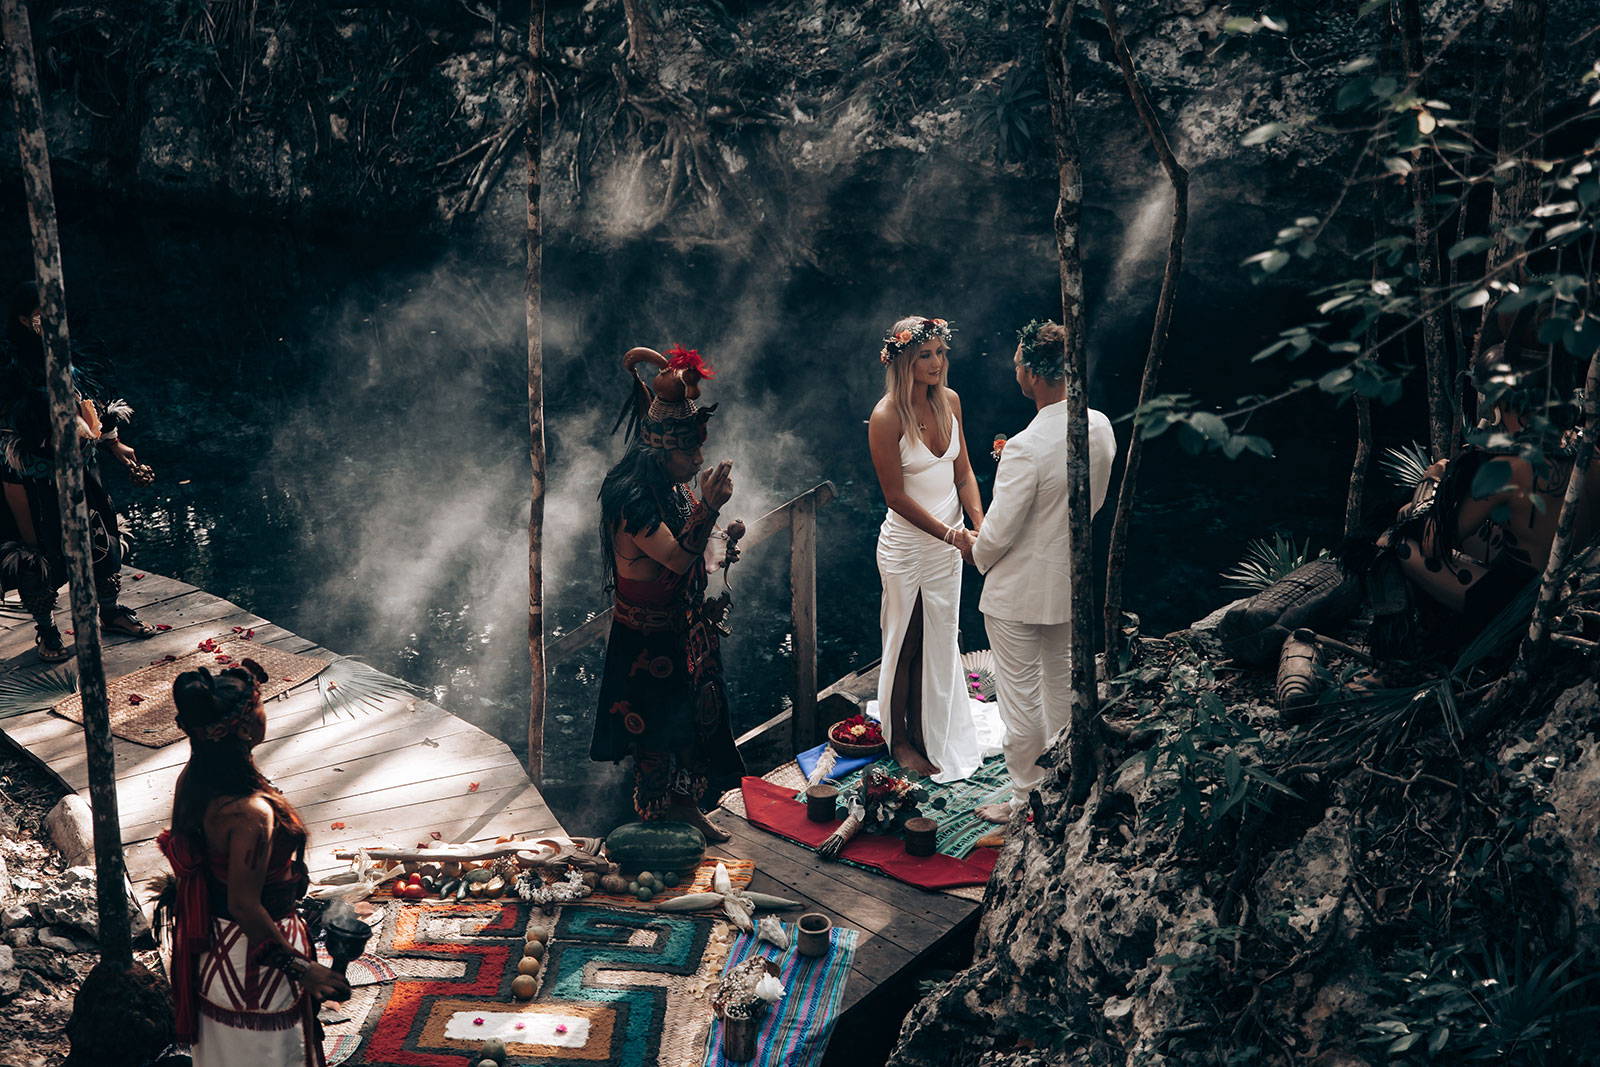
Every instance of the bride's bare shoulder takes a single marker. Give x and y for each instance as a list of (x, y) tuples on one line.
[(884, 413)]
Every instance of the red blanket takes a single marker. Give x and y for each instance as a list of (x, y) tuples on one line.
[(774, 808)]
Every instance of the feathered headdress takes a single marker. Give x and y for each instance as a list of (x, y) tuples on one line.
[(666, 413)]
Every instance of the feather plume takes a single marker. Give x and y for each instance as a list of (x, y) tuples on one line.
[(825, 764)]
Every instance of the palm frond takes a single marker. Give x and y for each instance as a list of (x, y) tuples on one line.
[(1406, 466), (348, 686), (1267, 561), (36, 690)]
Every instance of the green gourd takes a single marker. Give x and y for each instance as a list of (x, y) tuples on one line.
[(642, 846)]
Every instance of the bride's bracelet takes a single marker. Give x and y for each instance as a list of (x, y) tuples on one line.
[(951, 533)]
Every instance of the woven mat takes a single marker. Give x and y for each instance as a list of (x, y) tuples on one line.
[(795, 1031), (618, 987), (959, 829), (141, 703), (789, 777)]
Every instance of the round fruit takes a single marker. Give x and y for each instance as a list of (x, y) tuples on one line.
[(488, 1063), (669, 879), (647, 879), (528, 965), (533, 950), (536, 935), (634, 887), (591, 879), (494, 1049), (523, 986), (614, 884), (644, 892)]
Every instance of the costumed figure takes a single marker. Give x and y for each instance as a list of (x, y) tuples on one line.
[(932, 724), (1478, 528), (32, 555), (244, 978), (1024, 551), (663, 699)]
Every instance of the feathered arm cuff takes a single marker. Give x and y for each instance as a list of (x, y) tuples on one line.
[(113, 417)]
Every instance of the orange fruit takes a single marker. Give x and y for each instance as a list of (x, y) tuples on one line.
[(523, 986)]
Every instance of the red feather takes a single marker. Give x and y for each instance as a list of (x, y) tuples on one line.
[(680, 358)]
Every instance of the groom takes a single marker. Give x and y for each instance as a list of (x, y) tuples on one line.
[(1023, 552)]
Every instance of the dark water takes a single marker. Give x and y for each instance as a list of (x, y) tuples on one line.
[(339, 424)]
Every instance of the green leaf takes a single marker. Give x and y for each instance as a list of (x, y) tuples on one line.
[(1397, 165), (1468, 246), (1358, 64), (1438, 1039), (1475, 299), (1582, 339), (1240, 24), (1209, 424), (1492, 478), (1264, 133), (1353, 92), (1384, 87), (1401, 1044), (1275, 261)]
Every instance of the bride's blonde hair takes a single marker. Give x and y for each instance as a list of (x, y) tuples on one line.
[(900, 385)]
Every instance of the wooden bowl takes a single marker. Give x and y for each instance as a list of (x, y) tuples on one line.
[(849, 751)]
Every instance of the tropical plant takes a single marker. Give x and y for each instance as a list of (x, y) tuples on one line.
[(1010, 113), (1406, 466), (348, 686), (22, 692), (1266, 561)]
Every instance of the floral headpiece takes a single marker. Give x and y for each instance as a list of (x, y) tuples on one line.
[(897, 342), (667, 414), (1042, 358)]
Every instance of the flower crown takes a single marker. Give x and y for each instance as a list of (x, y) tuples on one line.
[(896, 343), (1044, 359)]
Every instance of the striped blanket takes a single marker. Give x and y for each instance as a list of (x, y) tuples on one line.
[(795, 1031)]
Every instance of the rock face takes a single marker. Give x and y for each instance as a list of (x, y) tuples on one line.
[(1306, 935)]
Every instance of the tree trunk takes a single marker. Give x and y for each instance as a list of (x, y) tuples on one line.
[(1441, 416), (1117, 554), (641, 30), (1356, 502), (1084, 730), (116, 941), (533, 139), (1571, 502), (1521, 111)]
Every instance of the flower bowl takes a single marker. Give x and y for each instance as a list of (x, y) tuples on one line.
[(849, 751)]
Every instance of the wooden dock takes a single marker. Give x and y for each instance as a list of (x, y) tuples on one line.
[(412, 769)]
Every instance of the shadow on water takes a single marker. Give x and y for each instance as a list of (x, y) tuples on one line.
[(340, 429)]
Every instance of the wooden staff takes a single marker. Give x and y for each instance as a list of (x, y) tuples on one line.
[(116, 936), (533, 139)]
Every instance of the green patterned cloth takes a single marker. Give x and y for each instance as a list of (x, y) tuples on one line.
[(959, 829)]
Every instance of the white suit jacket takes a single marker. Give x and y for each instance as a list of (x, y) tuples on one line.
[(1022, 548)]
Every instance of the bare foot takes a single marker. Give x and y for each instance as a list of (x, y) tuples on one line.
[(1000, 813), (912, 760), (695, 817)]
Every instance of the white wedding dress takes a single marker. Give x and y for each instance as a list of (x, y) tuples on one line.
[(959, 732)]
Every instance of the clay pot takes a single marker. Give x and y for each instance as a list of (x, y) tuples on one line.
[(814, 928)]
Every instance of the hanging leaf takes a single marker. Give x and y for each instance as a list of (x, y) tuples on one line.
[(1264, 133), (1468, 246)]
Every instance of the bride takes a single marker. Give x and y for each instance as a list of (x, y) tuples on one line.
[(919, 453)]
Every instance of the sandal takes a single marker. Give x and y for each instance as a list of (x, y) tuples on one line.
[(123, 620), (51, 649)]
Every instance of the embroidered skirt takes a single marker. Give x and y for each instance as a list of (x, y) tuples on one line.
[(251, 1014)]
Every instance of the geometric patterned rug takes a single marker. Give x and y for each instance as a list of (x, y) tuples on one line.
[(619, 988)]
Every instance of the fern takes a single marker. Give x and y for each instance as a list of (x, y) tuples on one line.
[(1267, 561), (1406, 466), (37, 690)]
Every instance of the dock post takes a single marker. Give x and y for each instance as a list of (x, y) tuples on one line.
[(803, 618)]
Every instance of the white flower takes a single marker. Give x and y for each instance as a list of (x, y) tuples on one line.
[(769, 989)]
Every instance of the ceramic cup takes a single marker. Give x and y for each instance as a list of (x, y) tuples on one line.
[(821, 802), (814, 929)]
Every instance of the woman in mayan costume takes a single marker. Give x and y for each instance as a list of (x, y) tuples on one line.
[(663, 701), (920, 455), (244, 978), (32, 555)]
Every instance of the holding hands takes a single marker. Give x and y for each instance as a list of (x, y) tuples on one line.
[(963, 539)]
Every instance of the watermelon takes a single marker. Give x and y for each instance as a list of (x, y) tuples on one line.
[(661, 846)]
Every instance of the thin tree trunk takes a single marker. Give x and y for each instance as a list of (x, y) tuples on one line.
[(1084, 731), (1521, 110), (1441, 417), (640, 31), (116, 941), (1356, 502), (533, 138), (1117, 554), (1571, 502)]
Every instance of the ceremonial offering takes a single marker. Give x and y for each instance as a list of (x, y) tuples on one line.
[(856, 736)]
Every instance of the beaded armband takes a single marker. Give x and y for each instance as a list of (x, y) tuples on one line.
[(697, 529), (279, 958)]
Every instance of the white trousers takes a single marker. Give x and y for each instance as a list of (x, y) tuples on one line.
[(1033, 682)]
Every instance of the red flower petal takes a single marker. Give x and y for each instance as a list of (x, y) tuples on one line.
[(163, 628), (169, 659), (138, 577), (337, 826), (135, 699), (472, 787), (436, 835)]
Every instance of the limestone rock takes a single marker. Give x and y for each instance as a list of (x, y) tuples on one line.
[(8, 959), (54, 938), (10, 983), (19, 936), (16, 915), (71, 827)]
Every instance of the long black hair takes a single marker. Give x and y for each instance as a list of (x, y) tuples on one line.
[(638, 493), (221, 765)]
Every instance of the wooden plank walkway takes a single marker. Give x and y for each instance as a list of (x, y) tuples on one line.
[(412, 768), (391, 774)]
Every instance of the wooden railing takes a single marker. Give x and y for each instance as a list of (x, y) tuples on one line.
[(799, 517)]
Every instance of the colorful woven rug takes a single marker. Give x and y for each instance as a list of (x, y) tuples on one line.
[(959, 829), (795, 1031), (141, 702), (618, 988)]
